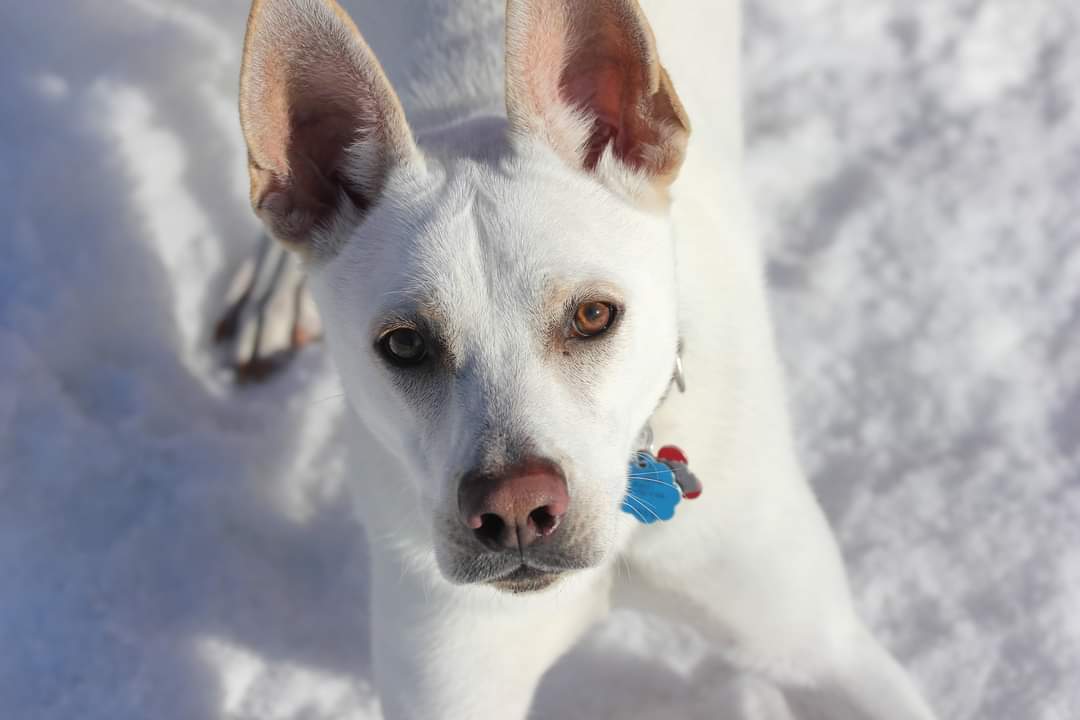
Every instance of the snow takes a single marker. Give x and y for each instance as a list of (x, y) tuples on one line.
[(173, 547)]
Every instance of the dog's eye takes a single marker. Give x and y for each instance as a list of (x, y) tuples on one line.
[(593, 318), (404, 347)]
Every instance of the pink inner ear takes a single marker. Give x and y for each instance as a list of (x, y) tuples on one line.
[(322, 131), (321, 121), (598, 59), (600, 92)]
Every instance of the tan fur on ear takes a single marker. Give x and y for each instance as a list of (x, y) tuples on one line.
[(322, 124), (585, 76)]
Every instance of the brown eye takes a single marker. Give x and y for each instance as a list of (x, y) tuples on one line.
[(593, 318), (404, 347)]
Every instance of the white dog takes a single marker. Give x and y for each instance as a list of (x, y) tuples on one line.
[(512, 283)]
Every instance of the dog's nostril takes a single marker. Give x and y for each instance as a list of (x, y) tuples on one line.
[(516, 507), (490, 529), (543, 520)]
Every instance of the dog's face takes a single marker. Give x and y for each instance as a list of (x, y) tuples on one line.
[(490, 311), (500, 298)]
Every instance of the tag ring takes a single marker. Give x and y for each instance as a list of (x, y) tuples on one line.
[(679, 377)]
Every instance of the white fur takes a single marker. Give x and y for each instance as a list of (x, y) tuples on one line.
[(483, 234)]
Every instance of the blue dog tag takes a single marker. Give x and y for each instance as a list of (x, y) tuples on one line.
[(652, 492)]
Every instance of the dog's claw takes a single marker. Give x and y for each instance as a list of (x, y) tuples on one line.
[(228, 325), (301, 337), (269, 316), (259, 369)]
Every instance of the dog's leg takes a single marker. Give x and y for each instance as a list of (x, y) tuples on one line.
[(864, 681), (766, 583), (269, 314), (443, 651)]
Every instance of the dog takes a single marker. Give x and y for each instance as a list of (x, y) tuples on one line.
[(530, 247)]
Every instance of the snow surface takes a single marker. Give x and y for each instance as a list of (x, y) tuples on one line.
[(174, 548)]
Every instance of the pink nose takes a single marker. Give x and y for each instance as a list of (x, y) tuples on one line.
[(515, 507)]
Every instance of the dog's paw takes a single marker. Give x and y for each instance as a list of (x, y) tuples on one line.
[(268, 316)]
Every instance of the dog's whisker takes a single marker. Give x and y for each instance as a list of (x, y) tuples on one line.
[(623, 561), (328, 398)]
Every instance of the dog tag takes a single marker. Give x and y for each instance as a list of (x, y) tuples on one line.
[(652, 492)]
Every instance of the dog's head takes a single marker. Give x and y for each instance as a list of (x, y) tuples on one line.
[(499, 296)]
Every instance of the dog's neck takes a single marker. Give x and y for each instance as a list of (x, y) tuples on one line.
[(733, 419)]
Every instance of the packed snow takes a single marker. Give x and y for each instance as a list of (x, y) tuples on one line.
[(175, 548)]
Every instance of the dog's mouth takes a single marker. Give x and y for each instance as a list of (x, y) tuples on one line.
[(463, 560), (525, 579), (517, 572)]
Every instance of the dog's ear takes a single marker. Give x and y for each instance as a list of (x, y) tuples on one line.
[(585, 76), (322, 124)]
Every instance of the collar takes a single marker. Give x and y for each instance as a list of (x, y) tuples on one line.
[(678, 381), (658, 482)]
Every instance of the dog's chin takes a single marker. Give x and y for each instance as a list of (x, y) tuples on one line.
[(526, 579)]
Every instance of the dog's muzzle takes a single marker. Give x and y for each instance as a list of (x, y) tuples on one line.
[(513, 529)]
